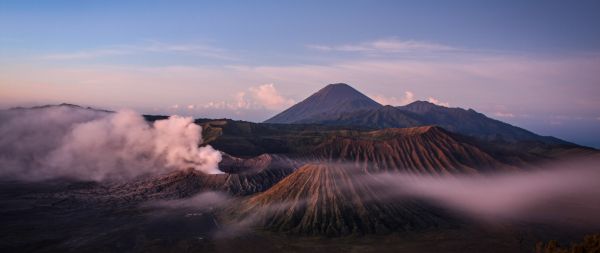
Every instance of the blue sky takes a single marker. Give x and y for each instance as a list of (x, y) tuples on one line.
[(530, 63)]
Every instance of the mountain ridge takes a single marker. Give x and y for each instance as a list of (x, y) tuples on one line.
[(419, 113), (333, 98)]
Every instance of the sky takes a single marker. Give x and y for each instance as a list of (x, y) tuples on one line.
[(534, 64)]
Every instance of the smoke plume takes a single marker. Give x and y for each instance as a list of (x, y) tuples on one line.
[(73, 142)]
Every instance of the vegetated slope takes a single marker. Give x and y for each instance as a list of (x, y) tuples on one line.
[(333, 200), (473, 123), (427, 149), (302, 141), (247, 139), (421, 113), (373, 118), (333, 99)]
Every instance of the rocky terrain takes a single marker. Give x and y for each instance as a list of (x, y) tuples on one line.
[(334, 200)]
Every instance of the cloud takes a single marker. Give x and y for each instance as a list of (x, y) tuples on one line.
[(267, 96), (408, 98), (72, 142), (504, 114), (437, 102), (385, 46), (263, 96), (88, 54), (240, 102), (524, 84), (153, 47)]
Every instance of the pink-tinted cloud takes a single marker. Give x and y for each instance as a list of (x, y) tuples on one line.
[(408, 98), (146, 48), (504, 114), (385, 46), (266, 95), (527, 85), (437, 102)]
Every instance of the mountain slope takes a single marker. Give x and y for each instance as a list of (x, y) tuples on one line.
[(341, 105), (331, 100), (377, 118), (328, 199), (473, 123), (428, 149)]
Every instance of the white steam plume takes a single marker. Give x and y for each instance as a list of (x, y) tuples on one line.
[(72, 142)]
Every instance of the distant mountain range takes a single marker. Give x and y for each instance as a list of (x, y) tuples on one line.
[(341, 105)]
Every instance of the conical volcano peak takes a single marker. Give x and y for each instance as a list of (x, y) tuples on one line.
[(333, 99), (340, 92), (339, 87)]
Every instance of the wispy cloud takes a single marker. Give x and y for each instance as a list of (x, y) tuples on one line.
[(87, 54), (525, 85), (152, 47), (504, 114), (437, 102), (267, 96), (260, 97), (385, 46), (408, 98)]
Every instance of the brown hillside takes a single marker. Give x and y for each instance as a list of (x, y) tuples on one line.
[(332, 200), (426, 149)]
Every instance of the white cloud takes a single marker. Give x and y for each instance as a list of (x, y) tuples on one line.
[(266, 95), (153, 47), (385, 46), (87, 54), (408, 98), (240, 101), (504, 114), (263, 96), (437, 102)]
